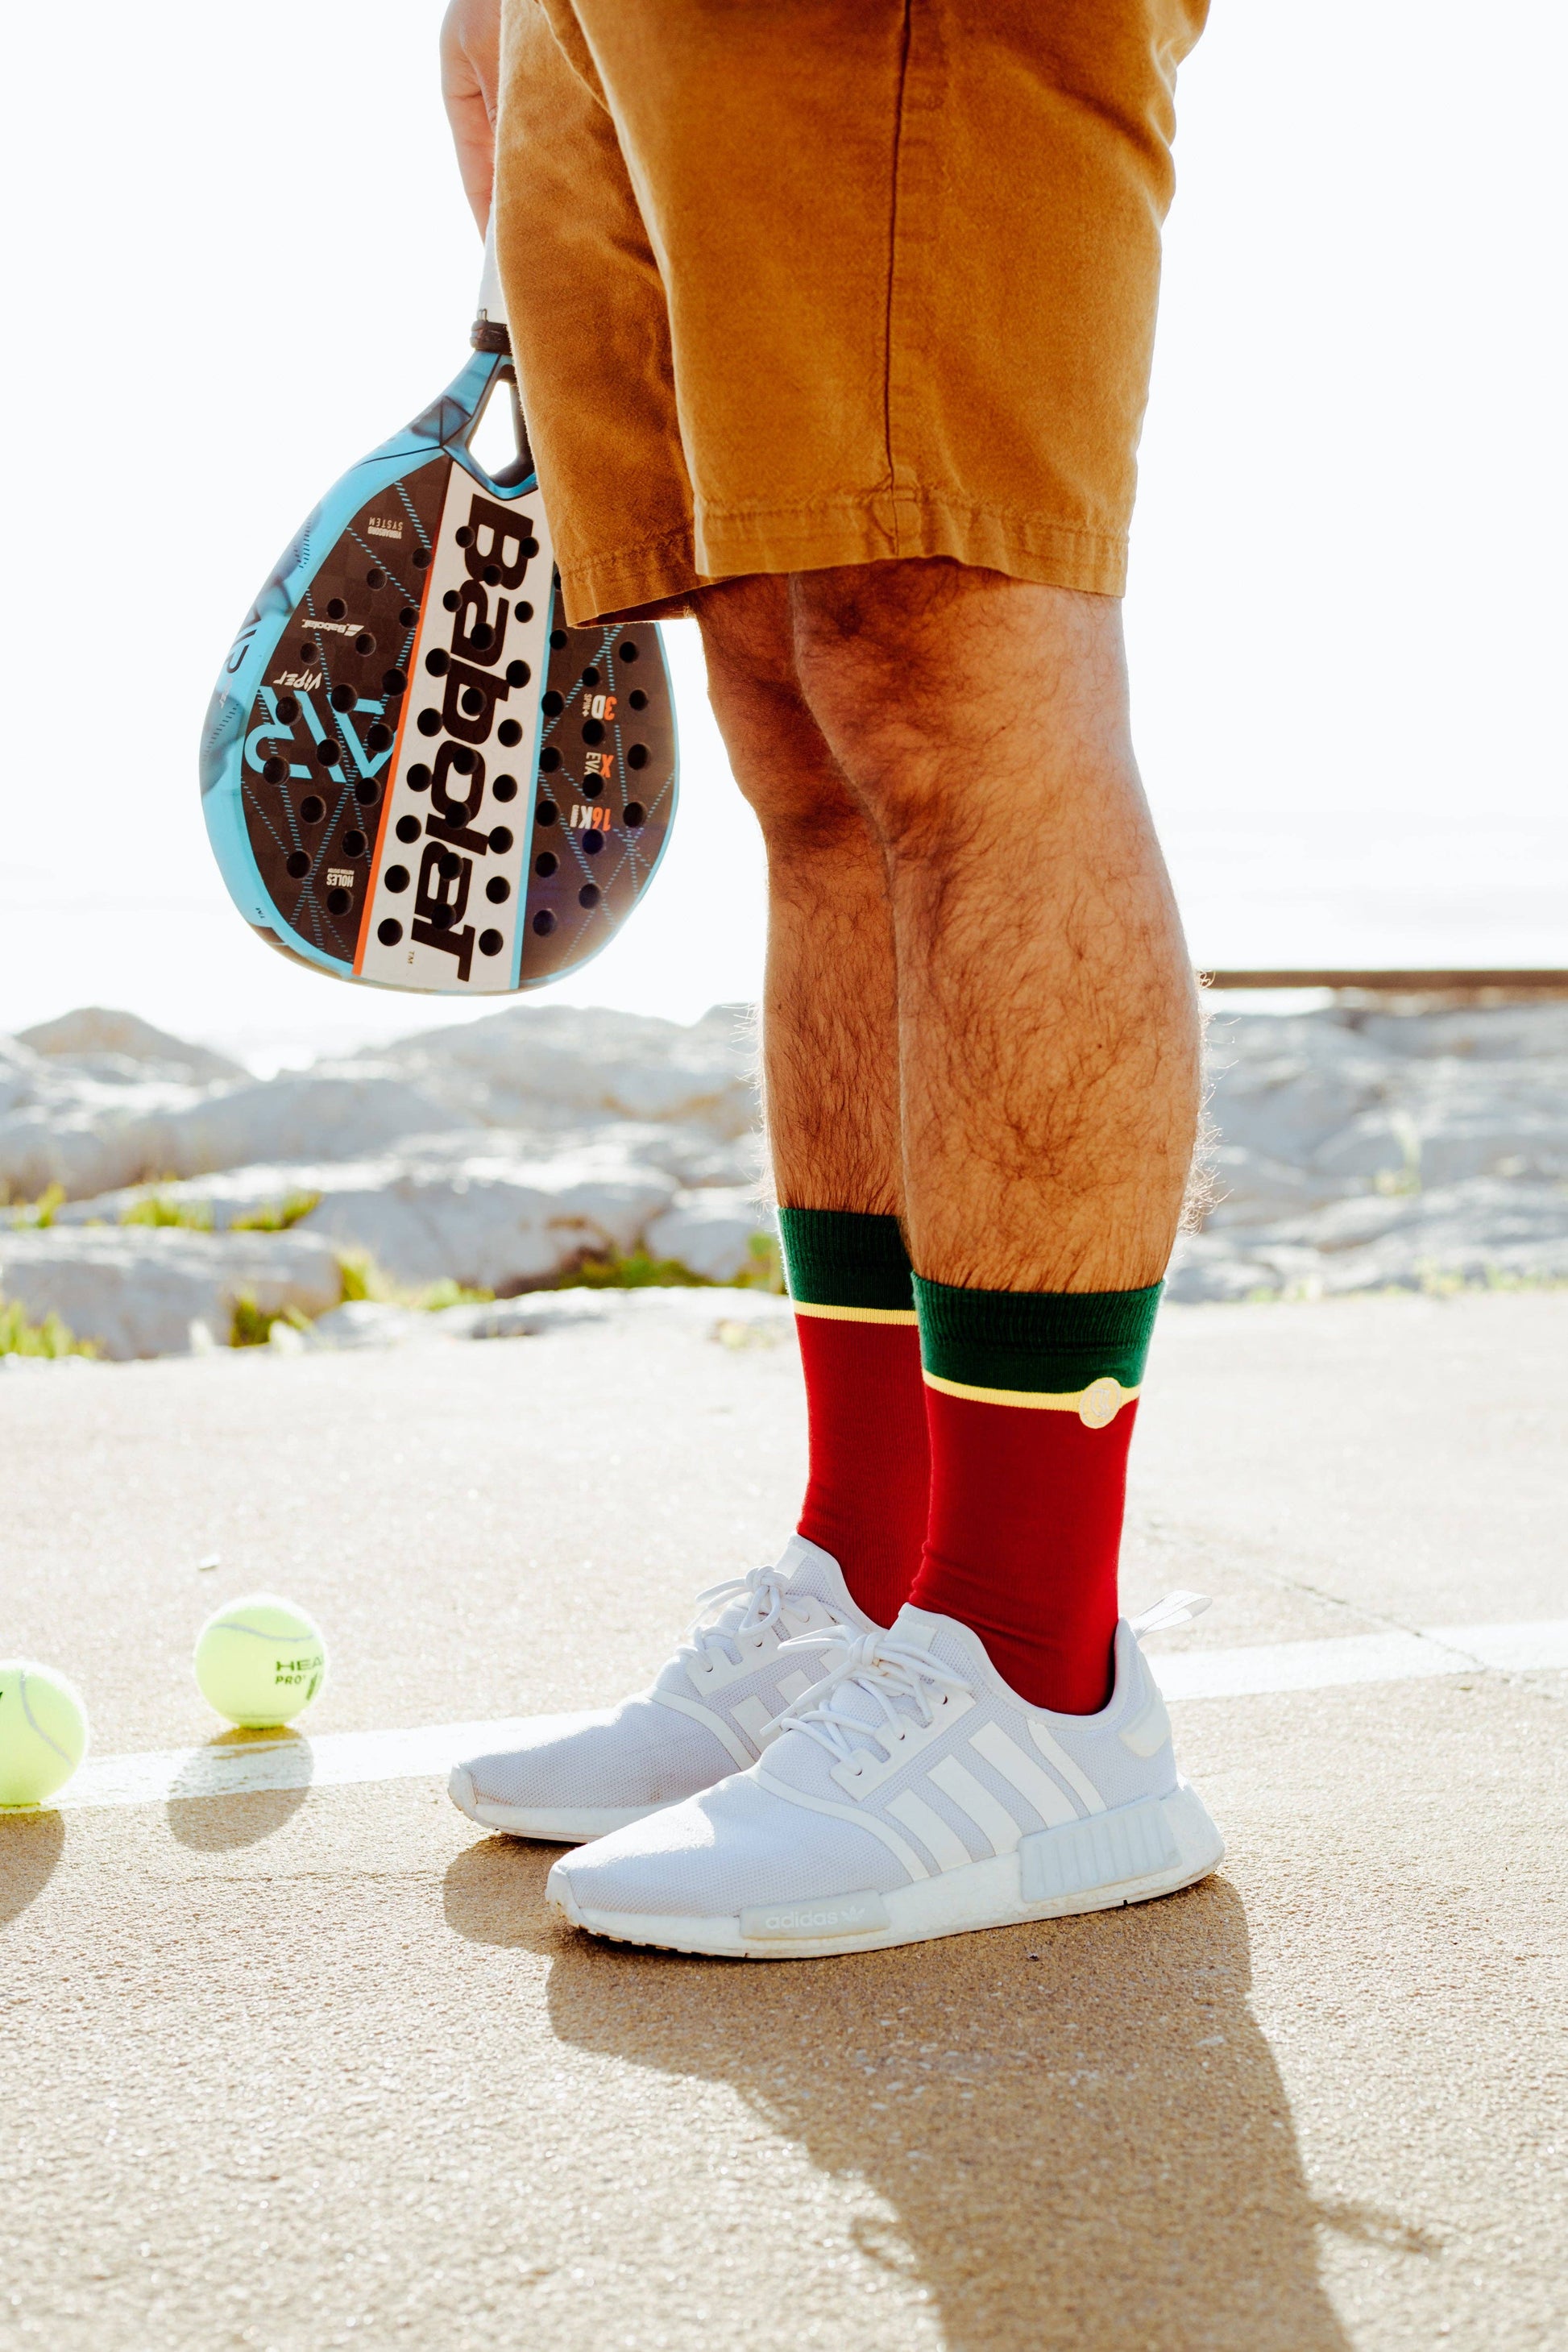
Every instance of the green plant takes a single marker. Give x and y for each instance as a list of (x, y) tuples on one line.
[(49, 1338), (157, 1209), (450, 1293), (606, 1271), (765, 1271), (277, 1216), (33, 1216), (361, 1278), (250, 1325)]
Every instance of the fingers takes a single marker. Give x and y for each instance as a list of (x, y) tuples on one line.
[(471, 53)]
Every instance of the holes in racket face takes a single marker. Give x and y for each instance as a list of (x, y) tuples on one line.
[(544, 922), (545, 864), (504, 788), (353, 843), (389, 932), (296, 865), (588, 896), (338, 902), (408, 828), (312, 809), (491, 943)]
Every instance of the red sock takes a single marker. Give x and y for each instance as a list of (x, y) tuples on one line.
[(859, 1346), (1031, 1398), (871, 1471)]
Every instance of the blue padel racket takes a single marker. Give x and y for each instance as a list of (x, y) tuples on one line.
[(414, 772)]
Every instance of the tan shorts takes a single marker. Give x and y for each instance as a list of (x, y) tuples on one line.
[(805, 282)]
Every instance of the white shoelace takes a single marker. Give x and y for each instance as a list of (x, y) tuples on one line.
[(887, 1670), (767, 1597)]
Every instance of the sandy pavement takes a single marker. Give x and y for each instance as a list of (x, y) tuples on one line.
[(306, 2069)]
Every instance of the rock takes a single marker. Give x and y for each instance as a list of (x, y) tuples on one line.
[(489, 1221), (711, 1233), (92, 1034), (565, 1065), (137, 1291)]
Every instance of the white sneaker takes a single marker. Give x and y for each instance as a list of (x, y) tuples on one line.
[(578, 1776), (913, 1795)]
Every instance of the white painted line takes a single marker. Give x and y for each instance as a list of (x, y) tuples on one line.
[(336, 1761), (1362, 1658), (237, 1766)]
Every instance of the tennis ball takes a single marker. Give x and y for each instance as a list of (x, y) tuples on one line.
[(43, 1731), (261, 1660)]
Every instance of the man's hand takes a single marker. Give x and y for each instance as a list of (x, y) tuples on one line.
[(470, 56)]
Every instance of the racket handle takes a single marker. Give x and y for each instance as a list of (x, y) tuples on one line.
[(492, 301)]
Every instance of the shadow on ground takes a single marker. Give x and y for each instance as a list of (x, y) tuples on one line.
[(30, 1846), (211, 1822), (1078, 2125)]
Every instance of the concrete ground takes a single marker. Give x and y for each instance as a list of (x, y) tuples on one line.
[(299, 2070)]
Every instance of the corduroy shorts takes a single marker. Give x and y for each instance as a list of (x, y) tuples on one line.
[(795, 283)]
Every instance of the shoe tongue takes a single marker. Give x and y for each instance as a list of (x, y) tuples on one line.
[(941, 1637), (805, 1566)]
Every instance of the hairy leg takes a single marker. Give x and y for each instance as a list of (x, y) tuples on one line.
[(1049, 1023), (829, 1020)]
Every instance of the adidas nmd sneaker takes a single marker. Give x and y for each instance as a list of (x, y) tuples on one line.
[(910, 1794), (578, 1776)]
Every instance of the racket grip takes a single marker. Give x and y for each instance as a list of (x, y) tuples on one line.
[(492, 301)]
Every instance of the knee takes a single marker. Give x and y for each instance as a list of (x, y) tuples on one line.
[(780, 760), (934, 682)]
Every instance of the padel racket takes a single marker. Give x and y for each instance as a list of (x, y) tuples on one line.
[(414, 772)]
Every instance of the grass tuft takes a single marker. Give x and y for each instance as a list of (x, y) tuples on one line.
[(51, 1338), (250, 1325), (638, 1272), (157, 1209), (35, 1216), (277, 1216), (361, 1278)]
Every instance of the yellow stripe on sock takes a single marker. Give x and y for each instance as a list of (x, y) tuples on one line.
[(1097, 1406), (857, 1314)]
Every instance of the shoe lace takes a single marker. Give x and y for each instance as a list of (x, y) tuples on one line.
[(766, 1595), (894, 1675)]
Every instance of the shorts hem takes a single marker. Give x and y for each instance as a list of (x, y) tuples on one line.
[(882, 528), (731, 544), (602, 587)]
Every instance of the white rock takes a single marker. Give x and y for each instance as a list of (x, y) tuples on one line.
[(711, 1233), (124, 1043), (137, 1291)]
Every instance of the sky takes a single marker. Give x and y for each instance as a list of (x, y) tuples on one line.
[(239, 257)]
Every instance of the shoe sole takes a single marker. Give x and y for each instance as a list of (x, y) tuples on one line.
[(562, 1825), (957, 1903)]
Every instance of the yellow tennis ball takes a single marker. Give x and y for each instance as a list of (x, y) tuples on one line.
[(261, 1660), (43, 1731)]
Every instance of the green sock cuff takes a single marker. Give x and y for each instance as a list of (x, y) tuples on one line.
[(836, 1257), (1040, 1342)]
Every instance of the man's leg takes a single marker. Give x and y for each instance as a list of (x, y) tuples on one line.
[(831, 1087), (1049, 1062)]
